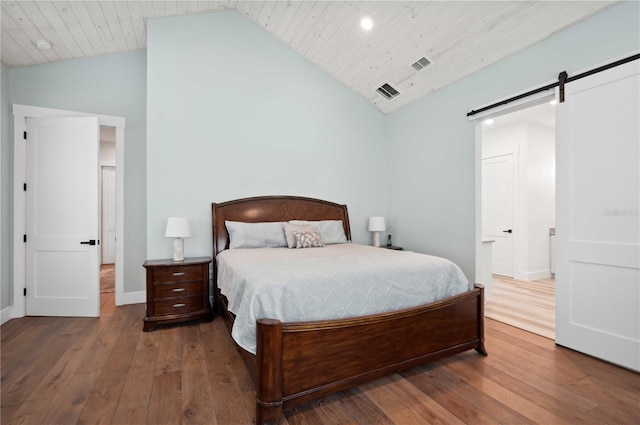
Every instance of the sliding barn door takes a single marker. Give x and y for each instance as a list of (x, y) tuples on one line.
[(598, 226)]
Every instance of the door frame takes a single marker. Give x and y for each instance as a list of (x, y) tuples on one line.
[(524, 103), (20, 115), (510, 106)]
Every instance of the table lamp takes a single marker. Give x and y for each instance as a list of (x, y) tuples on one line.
[(178, 228), (376, 225)]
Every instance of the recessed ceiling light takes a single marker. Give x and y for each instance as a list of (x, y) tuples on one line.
[(366, 23), (43, 45), (489, 121)]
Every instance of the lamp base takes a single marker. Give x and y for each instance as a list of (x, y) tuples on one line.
[(178, 250), (376, 239)]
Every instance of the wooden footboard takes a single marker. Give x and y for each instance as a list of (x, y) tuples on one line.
[(298, 362)]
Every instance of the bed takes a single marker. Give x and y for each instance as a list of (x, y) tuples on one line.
[(296, 362)]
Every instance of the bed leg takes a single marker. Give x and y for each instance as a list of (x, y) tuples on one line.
[(269, 371), (480, 348), (268, 415)]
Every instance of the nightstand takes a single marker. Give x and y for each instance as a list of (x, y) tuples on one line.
[(395, 248), (177, 291)]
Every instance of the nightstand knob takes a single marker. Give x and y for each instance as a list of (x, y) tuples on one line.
[(179, 305), (179, 289), (178, 274)]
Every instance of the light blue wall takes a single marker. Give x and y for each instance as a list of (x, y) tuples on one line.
[(432, 184), (251, 117), (110, 85), (233, 112), (6, 194)]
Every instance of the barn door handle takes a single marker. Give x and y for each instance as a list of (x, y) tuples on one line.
[(89, 242), (507, 231)]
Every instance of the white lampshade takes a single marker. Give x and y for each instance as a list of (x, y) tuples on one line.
[(178, 227), (376, 224)]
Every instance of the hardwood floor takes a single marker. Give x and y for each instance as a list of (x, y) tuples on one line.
[(107, 278), (526, 305), (107, 371)]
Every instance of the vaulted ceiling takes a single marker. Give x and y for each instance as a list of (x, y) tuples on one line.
[(457, 38)]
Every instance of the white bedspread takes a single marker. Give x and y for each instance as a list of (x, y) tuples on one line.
[(337, 281)]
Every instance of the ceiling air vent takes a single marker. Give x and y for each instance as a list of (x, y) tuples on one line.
[(387, 91), (421, 64)]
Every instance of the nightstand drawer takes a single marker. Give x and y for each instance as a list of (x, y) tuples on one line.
[(177, 273), (178, 305), (177, 289)]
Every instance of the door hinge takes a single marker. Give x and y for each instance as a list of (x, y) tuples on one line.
[(25, 187), (25, 135), (24, 238), (25, 292)]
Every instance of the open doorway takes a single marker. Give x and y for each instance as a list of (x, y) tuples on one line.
[(518, 216), (22, 116), (107, 209)]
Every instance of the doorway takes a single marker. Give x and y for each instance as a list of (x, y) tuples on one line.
[(21, 114), (518, 215), (107, 209)]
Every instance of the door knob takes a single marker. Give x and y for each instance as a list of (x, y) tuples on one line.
[(507, 231), (89, 242)]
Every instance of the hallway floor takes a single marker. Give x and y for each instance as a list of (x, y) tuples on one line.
[(526, 305)]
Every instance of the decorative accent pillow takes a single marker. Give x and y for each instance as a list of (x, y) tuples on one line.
[(307, 239), (255, 235), (331, 231), (289, 228)]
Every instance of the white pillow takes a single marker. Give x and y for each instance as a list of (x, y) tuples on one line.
[(255, 235), (331, 231), (289, 228)]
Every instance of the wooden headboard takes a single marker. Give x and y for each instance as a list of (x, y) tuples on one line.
[(272, 208)]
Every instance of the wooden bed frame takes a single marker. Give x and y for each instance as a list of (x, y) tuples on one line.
[(298, 362)]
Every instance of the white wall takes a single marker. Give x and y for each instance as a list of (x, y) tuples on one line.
[(110, 85), (541, 186), (233, 112), (433, 161)]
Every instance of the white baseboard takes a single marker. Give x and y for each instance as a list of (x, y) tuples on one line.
[(5, 315), (526, 276), (129, 298), (137, 297)]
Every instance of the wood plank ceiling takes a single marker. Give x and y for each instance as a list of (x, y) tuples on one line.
[(458, 37)]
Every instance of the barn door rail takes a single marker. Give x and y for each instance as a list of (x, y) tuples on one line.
[(563, 78)]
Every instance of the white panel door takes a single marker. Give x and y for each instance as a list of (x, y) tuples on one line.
[(108, 189), (498, 210), (62, 267), (598, 227)]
